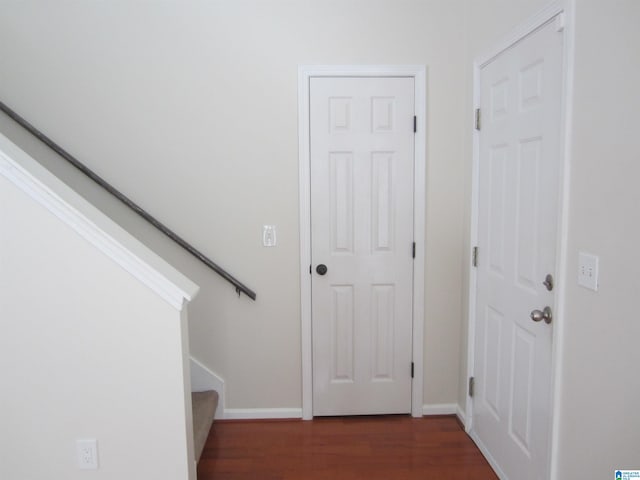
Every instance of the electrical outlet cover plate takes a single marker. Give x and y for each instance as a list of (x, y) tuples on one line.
[(588, 271), (87, 450)]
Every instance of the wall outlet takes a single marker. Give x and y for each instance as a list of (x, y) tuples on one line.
[(87, 453), (588, 271)]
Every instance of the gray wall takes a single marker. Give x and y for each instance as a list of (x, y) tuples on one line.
[(190, 108), (599, 389)]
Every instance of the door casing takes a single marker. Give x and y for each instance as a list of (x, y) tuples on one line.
[(564, 13), (305, 73)]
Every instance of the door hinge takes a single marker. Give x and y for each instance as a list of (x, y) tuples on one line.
[(474, 257), (411, 369), (477, 119), (415, 124), (413, 250), (472, 386)]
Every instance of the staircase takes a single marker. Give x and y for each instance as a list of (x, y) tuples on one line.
[(58, 307), (31, 195), (204, 406)]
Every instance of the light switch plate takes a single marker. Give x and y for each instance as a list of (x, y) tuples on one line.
[(269, 235), (588, 271)]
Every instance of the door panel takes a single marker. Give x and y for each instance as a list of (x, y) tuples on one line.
[(519, 171), (362, 229)]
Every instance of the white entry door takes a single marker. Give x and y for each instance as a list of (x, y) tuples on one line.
[(362, 158), (519, 171)]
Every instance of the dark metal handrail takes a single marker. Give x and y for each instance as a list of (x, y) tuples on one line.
[(240, 287)]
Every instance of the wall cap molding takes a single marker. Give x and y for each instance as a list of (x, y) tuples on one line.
[(94, 226)]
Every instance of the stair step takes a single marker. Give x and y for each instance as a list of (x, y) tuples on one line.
[(204, 406)]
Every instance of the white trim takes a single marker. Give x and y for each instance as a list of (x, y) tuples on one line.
[(440, 409), (419, 224), (304, 186), (261, 413), (536, 22), (186, 389), (460, 414), (203, 379), (494, 465), (473, 232), (557, 352), (523, 30), (95, 227), (419, 73)]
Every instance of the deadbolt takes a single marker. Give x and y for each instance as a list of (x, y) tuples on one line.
[(548, 282), (546, 315)]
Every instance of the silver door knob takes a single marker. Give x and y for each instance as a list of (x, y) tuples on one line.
[(538, 316)]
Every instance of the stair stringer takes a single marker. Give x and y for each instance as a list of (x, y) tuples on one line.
[(203, 379)]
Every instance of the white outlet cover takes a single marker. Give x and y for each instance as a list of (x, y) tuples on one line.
[(588, 271), (87, 452)]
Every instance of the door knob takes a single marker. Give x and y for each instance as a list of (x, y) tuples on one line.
[(321, 269), (538, 316)]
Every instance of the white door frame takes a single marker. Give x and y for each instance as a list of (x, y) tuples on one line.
[(305, 73), (565, 21)]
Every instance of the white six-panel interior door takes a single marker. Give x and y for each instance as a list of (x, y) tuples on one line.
[(362, 167), (379, 232), (519, 166)]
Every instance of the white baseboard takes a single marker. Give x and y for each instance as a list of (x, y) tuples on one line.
[(440, 409), (487, 455), (445, 409), (461, 415), (274, 413), (261, 413), (203, 379)]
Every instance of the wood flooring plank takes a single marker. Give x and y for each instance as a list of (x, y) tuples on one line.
[(350, 448)]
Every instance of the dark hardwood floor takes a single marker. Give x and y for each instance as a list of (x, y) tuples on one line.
[(372, 448)]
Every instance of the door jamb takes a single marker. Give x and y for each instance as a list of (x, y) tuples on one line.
[(305, 73), (565, 11)]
